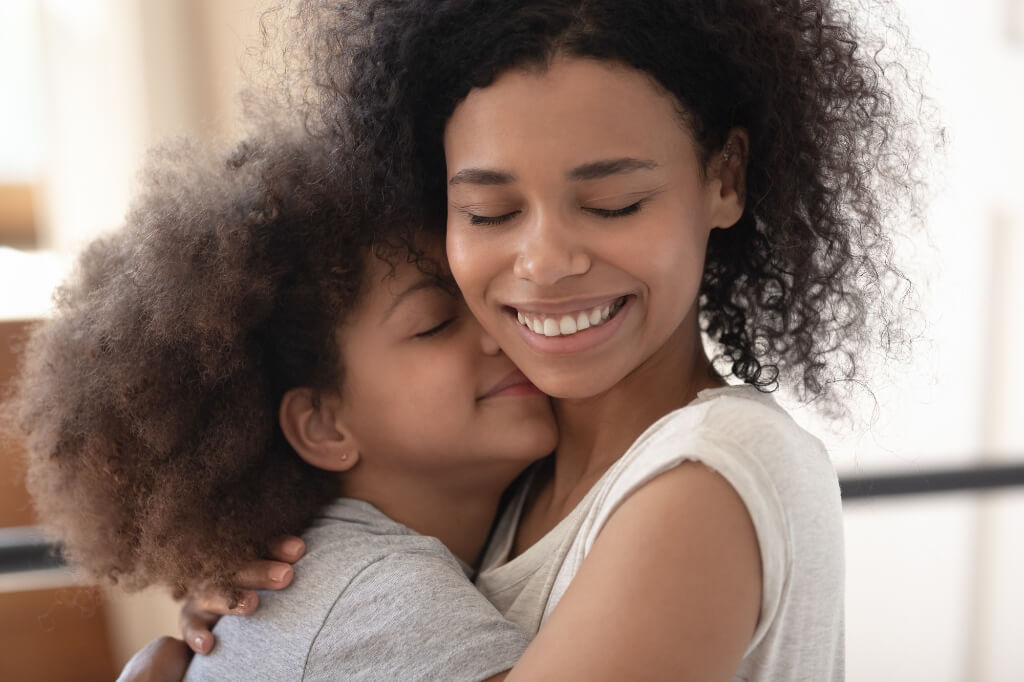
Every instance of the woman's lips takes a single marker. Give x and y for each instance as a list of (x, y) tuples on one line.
[(559, 342), (570, 322)]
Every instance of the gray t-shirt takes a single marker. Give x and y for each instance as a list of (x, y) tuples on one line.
[(371, 600)]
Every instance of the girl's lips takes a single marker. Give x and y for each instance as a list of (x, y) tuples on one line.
[(515, 384)]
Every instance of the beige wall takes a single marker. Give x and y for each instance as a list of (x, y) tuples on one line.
[(121, 76)]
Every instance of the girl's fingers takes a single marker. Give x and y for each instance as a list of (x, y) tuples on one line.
[(288, 549)]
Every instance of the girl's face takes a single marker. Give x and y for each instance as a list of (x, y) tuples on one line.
[(578, 220), (425, 388)]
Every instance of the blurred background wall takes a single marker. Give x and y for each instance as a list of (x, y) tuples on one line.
[(934, 589), (87, 87)]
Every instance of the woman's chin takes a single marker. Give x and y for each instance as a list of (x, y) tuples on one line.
[(571, 385)]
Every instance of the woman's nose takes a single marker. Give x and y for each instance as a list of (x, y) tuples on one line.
[(549, 251)]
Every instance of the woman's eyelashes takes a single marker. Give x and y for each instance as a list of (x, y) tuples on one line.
[(475, 219), (615, 212), (485, 220)]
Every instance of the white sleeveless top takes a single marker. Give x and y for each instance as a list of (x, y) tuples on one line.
[(790, 489)]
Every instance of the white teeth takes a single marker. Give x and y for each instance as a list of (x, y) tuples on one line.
[(568, 324)]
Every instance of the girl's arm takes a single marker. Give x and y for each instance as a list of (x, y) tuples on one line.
[(671, 589)]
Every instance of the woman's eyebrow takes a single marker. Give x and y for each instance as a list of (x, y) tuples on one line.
[(482, 176), (588, 171), (596, 170)]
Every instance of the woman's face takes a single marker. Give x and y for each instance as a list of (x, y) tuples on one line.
[(578, 219)]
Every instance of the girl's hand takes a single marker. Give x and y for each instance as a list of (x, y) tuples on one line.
[(202, 611)]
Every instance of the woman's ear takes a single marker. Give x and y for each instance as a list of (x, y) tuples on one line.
[(729, 169), (311, 422)]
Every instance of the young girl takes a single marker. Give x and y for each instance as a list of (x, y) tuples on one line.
[(623, 182), (244, 360)]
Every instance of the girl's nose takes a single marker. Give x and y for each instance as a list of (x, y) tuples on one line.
[(549, 252), (488, 345)]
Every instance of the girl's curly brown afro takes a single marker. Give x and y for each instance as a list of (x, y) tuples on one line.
[(149, 400), (791, 293)]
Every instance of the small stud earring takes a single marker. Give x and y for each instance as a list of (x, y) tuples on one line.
[(727, 152)]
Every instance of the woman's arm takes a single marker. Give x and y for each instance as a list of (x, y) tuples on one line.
[(201, 612), (671, 589), (163, 660)]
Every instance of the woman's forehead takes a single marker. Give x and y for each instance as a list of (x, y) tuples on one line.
[(583, 110)]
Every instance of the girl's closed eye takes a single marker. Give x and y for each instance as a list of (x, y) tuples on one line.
[(436, 329), (442, 309)]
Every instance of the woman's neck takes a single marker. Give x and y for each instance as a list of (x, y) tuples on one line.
[(594, 432)]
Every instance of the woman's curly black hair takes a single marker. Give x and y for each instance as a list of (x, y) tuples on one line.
[(149, 400), (792, 292)]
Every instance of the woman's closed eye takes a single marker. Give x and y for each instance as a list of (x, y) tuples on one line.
[(475, 219), (485, 220), (614, 212)]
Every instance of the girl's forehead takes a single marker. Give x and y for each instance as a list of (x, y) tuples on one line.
[(394, 272)]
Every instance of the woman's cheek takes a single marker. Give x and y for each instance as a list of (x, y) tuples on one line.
[(468, 266)]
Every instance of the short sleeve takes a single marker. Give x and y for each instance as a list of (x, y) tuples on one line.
[(413, 616), (707, 435)]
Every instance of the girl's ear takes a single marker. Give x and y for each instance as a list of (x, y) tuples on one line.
[(311, 423), (729, 169)]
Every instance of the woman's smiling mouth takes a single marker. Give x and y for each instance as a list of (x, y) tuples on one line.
[(569, 323)]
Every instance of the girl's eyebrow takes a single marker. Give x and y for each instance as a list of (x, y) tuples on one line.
[(418, 285)]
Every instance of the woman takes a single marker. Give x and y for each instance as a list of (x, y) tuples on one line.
[(618, 180)]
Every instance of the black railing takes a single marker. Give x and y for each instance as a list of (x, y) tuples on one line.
[(25, 549), (961, 479)]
